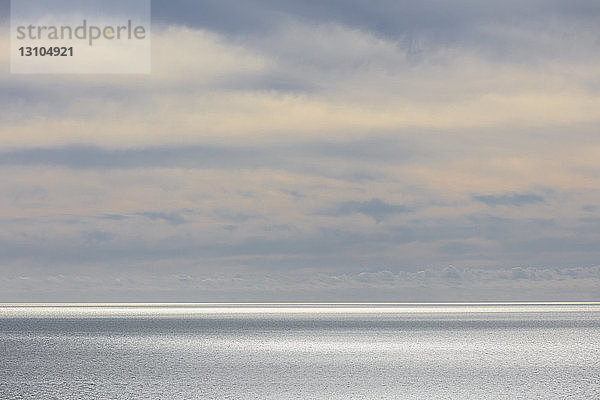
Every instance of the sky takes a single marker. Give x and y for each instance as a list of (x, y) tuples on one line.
[(330, 150)]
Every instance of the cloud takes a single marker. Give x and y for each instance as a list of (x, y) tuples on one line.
[(442, 20), (451, 273), (377, 149), (113, 217), (510, 199), (235, 216), (519, 273), (467, 128), (82, 156), (428, 284), (173, 218), (374, 208), (97, 237), (344, 81)]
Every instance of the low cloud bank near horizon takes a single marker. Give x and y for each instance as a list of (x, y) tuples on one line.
[(430, 284)]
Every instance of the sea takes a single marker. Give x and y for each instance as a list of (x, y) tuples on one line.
[(300, 351)]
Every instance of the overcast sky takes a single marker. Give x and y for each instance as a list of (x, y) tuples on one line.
[(313, 150)]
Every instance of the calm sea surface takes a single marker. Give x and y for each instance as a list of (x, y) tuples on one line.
[(509, 351)]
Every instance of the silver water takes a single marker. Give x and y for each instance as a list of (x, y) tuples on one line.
[(300, 351)]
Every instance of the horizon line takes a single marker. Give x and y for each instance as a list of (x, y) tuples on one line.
[(200, 304)]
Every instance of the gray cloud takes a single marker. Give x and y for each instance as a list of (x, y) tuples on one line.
[(4, 11), (266, 242), (510, 199), (451, 273), (506, 31), (387, 17), (527, 283), (173, 218), (95, 237), (235, 216), (293, 193), (90, 157), (382, 149), (374, 208), (113, 217)]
